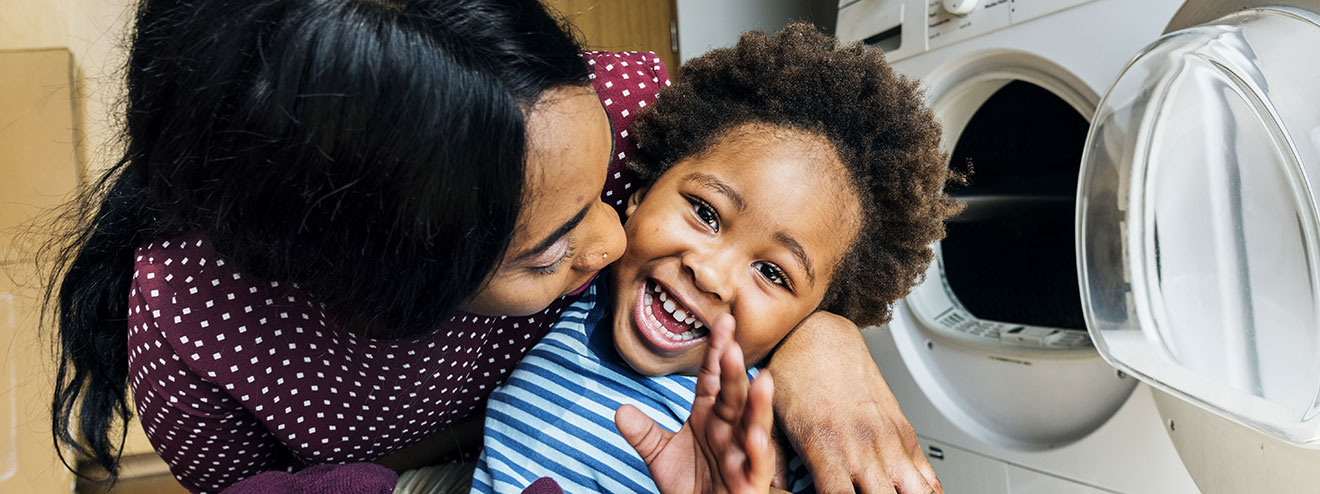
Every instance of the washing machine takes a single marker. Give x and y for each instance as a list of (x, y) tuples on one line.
[(1130, 301)]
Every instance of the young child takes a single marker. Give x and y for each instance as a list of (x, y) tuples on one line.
[(786, 175)]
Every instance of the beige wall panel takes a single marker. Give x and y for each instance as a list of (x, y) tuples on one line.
[(95, 32), (33, 23), (98, 38), (27, 458), (37, 141), (39, 166)]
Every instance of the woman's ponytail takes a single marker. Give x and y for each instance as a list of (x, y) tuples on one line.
[(90, 304)]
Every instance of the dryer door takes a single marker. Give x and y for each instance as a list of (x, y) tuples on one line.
[(1198, 230)]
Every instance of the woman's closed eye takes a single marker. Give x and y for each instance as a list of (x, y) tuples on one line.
[(774, 274), (705, 213), (550, 260)]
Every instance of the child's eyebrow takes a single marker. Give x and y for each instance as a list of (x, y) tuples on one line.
[(718, 186), (799, 253)]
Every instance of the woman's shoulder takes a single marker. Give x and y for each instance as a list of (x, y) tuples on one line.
[(190, 298), (206, 334), (644, 69), (626, 83)]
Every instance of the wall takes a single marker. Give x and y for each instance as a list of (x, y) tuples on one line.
[(707, 24), (38, 163), (94, 32), (58, 88)]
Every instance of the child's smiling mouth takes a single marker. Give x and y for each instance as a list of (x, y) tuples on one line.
[(665, 324)]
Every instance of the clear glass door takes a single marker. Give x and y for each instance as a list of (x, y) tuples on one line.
[(1198, 244)]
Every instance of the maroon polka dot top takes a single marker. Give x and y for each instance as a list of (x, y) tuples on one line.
[(233, 375)]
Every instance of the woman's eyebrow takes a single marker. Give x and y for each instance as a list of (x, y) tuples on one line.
[(718, 186), (799, 253), (572, 223), (554, 237)]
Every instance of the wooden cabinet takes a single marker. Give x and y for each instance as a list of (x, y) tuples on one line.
[(625, 25)]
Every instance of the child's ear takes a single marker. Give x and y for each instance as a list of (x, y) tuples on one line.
[(635, 199)]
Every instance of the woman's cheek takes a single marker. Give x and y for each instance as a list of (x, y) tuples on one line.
[(517, 297)]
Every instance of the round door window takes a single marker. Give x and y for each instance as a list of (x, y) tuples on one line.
[(994, 335)]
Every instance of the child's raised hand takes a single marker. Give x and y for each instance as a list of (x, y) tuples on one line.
[(725, 444)]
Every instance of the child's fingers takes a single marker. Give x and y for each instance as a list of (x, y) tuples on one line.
[(645, 436), (708, 378), (760, 466), (733, 465), (721, 332), (758, 419), (733, 385), (759, 414)]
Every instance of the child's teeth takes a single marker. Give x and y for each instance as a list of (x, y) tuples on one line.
[(678, 314)]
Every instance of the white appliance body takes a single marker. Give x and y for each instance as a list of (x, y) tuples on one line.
[(1003, 406), (1192, 214)]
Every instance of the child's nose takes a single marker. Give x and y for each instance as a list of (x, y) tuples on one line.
[(712, 271)]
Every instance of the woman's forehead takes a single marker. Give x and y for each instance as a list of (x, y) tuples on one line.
[(568, 153)]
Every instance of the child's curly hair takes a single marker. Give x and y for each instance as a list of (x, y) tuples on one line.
[(874, 119)]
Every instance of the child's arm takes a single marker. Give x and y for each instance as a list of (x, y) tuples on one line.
[(725, 444)]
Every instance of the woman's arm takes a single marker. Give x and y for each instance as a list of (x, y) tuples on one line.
[(208, 449), (840, 415)]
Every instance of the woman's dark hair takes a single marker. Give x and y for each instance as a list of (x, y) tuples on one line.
[(873, 118), (370, 151)]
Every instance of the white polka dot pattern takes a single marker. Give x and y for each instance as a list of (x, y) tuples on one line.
[(234, 376), (626, 83)]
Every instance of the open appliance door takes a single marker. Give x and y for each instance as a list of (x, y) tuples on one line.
[(1198, 239)]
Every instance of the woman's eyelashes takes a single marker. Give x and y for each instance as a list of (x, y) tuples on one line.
[(554, 257)]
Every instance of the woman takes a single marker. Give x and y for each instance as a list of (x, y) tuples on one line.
[(338, 223)]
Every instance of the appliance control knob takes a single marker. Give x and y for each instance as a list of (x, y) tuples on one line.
[(959, 7)]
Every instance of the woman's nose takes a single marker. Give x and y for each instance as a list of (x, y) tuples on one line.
[(606, 241)]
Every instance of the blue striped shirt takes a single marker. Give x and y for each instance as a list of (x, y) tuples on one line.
[(554, 417)]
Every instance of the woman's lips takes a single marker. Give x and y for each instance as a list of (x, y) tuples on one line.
[(578, 291), (658, 328)]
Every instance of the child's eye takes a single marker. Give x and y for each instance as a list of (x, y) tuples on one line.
[(705, 213), (773, 274)]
